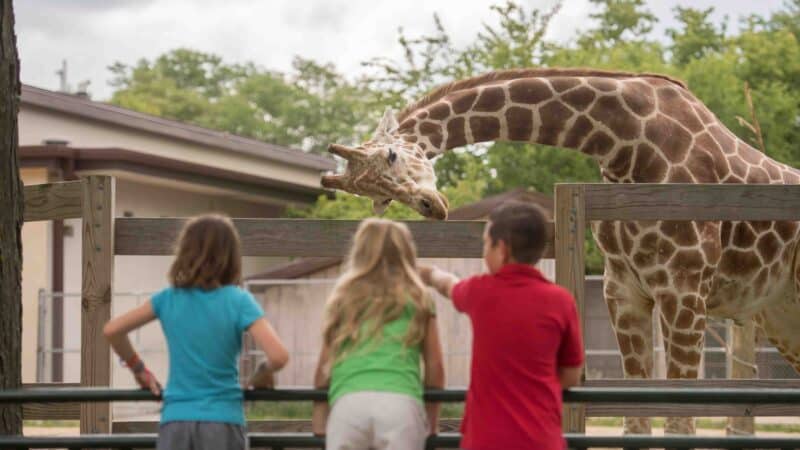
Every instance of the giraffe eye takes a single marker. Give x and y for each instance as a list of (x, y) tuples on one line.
[(392, 156)]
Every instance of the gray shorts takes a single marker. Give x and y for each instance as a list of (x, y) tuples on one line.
[(192, 435)]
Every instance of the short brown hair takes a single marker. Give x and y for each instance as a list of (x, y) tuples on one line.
[(522, 226), (208, 254)]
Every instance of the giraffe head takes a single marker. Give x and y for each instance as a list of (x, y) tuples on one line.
[(387, 168)]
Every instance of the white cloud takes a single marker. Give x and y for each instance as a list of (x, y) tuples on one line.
[(93, 34)]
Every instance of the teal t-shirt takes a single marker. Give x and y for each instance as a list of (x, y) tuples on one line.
[(204, 338), (383, 364)]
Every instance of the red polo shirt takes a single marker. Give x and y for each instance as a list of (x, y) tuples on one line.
[(524, 327)]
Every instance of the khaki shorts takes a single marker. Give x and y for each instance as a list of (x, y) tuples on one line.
[(376, 421)]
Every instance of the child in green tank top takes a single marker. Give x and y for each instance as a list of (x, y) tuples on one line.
[(380, 324)]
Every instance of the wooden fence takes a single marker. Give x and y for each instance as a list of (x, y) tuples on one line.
[(104, 236)]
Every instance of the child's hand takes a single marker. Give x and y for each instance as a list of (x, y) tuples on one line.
[(263, 378), (425, 273), (147, 380)]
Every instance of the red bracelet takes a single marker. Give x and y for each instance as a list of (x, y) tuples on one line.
[(135, 363)]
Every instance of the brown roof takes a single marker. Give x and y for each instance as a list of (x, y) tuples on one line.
[(104, 112), (473, 211)]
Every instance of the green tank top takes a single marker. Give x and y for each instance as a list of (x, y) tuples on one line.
[(381, 364)]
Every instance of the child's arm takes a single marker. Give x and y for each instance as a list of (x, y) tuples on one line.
[(439, 279), (570, 376), (277, 356), (116, 331), (319, 415), (434, 371)]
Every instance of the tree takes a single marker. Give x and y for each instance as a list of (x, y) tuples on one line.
[(618, 21), (11, 205), (698, 37)]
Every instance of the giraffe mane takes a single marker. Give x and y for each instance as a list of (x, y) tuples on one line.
[(513, 74)]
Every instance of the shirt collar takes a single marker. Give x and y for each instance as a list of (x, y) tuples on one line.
[(517, 269)]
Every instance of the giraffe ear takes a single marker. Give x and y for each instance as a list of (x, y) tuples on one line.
[(386, 127)]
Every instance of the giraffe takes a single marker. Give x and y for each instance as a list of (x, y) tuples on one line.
[(639, 128)]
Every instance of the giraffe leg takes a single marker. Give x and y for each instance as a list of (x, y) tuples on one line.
[(683, 321), (631, 317)]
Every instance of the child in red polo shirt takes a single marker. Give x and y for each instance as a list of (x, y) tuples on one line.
[(527, 343)]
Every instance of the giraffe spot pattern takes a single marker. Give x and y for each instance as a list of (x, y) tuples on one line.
[(667, 134), (561, 84), (686, 261), (463, 101), (684, 320), (606, 238), (749, 154), (598, 144), (580, 98), (702, 166), (723, 138), (439, 111), (649, 166), (743, 235), (529, 91), (757, 175), (682, 233), (554, 116), (679, 174), (491, 99), (519, 122), (621, 163), (608, 110), (672, 104), (768, 246), (638, 97), (603, 84), (786, 230), (738, 262), (738, 166), (456, 134), (484, 128), (577, 132)]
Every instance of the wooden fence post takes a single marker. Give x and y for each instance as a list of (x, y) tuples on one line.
[(741, 363), (96, 293), (570, 231)]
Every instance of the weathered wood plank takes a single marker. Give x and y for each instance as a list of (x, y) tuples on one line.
[(692, 202), (53, 201), (260, 426), (570, 230), (297, 237), (50, 411), (98, 282), (741, 363), (705, 383)]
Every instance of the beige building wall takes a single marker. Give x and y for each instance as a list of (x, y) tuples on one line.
[(36, 274), (37, 125)]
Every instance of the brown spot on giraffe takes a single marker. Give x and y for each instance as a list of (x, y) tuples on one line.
[(554, 116), (669, 306), (638, 97), (665, 250), (633, 367), (772, 169), (743, 235), (723, 138), (738, 262), (491, 99), (679, 174), (620, 164), (649, 166), (760, 226), (684, 319), (625, 346), (738, 166), (606, 237), (608, 110), (686, 339), (768, 246), (598, 144), (561, 84), (672, 104), (529, 91), (702, 166), (669, 136), (703, 113), (433, 131), (686, 260), (659, 278), (484, 128), (456, 135), (749, 154), (407, 126), (520, 123), (440, 111), (578, 132), (603, 84), (682, 233), (463, 101), (786, 230), (638, 344), (580, 98)]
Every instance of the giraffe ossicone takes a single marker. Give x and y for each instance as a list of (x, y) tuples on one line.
[(638, 128)]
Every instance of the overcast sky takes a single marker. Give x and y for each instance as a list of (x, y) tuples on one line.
[(93, 34)]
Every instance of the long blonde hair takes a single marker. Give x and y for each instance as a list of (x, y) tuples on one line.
[(379, 280)]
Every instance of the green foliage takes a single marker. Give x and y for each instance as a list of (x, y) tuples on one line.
[(698, 37)]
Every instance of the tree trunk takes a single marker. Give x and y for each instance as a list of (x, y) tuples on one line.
[(11, 204)]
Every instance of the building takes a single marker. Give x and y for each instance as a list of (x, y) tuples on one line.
[(163, 168)]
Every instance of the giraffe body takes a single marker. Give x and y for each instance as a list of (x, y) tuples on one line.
[(639, 129)]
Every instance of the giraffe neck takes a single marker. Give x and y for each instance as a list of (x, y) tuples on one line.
[(638, 129)]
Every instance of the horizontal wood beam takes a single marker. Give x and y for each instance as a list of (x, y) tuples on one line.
[(53, 201), (301, 237), (692, 202)]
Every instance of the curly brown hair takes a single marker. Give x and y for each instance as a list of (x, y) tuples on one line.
[(208, 254)]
